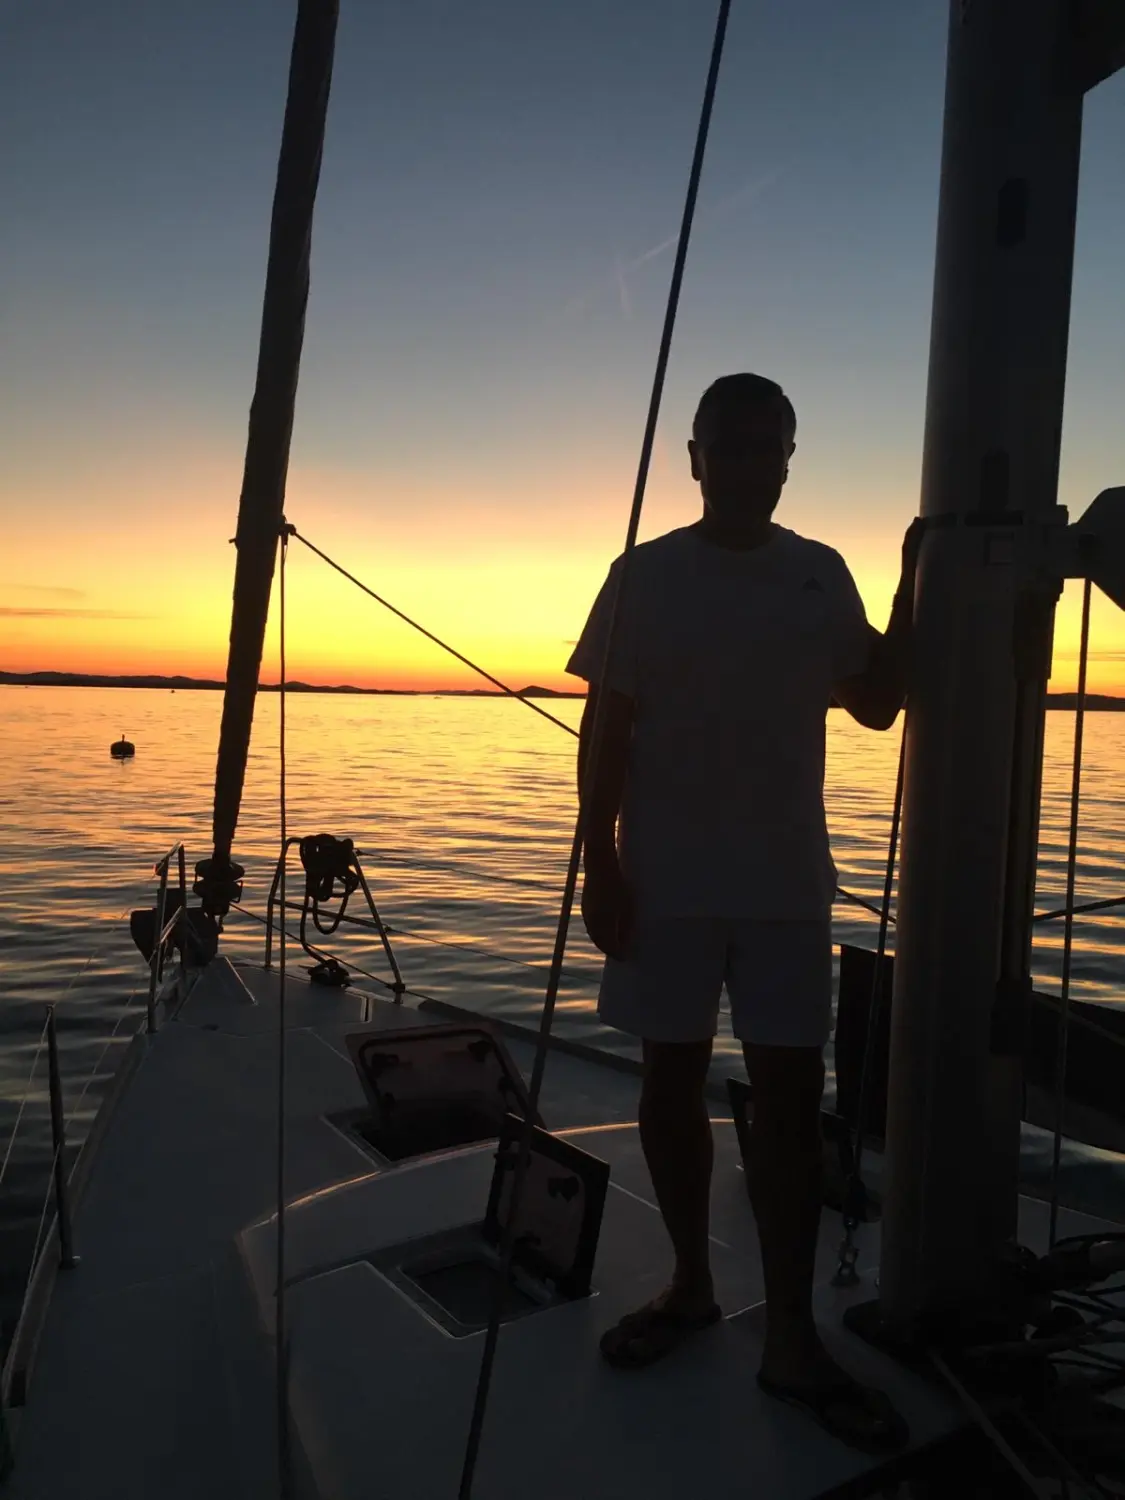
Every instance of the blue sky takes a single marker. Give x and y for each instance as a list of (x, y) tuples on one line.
[(491, 259)]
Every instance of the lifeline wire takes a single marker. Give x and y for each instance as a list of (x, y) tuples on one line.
[(1068, 922), (110, 1039), (23, 1101), (488, 1356), (1078, 911), (354, 968), (421, 937), (74, 978), (39, 1236)]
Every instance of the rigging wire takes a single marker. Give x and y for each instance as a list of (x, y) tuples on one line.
[(503, 686), (1109, 1038), (876, 911), (869, 906), (445, 646), (488, 1355), (845, 1271), (1068, 922), (1079, 911), (1065, 1471), (281, 1351), (987, 1426)]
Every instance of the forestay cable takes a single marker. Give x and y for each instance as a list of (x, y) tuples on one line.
[(488, 1356)]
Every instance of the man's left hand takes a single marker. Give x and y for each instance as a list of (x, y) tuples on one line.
[(911, 547)]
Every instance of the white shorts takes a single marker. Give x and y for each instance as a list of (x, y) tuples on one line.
[(778, 976)]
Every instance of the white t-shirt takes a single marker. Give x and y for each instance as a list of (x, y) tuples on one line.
[(730, 658)]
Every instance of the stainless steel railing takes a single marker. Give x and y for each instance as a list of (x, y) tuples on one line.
[(396, 985), (54, 1240), (165, 926)]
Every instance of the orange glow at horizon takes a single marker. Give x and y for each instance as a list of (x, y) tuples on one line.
[(519, 632), (126, 589), (489, 274)]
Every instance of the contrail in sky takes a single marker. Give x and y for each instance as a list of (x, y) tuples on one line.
[(54, 591), (620, 270), (43, 612), (623, 269)]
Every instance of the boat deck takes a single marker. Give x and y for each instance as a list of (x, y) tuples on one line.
[(154, 1372)]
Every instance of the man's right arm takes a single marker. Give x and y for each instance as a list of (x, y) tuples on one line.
[(606, 907)]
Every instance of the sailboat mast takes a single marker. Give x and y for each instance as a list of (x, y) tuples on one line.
[(1017, 72), (262, 499)]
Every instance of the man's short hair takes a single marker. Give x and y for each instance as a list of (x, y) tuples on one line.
[(737, 390)]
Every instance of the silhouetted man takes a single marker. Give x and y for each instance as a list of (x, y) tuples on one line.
[(707, 863)]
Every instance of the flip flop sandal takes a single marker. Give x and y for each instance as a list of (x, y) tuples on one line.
[(880, 1430), (643, 1337)]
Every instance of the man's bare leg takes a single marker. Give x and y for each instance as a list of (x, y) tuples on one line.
[(675, 1131), (784, 1176), (784, 1170)]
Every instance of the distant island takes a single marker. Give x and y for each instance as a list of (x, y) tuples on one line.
[(206, 684), (1095, 702)]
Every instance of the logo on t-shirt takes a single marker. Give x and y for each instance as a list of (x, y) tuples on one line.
[(813, 585)]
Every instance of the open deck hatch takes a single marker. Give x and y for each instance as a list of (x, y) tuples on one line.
[(456, 1276), (432, 1088)]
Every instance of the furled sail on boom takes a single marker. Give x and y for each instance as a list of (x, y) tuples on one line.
[(271, 422)]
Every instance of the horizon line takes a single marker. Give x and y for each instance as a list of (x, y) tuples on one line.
[(157, 681), (51, 677)]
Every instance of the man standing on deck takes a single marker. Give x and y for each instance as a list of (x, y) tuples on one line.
[(734, 635)]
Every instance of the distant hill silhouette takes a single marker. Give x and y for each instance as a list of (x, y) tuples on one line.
[(1095, 702), (206, 684)]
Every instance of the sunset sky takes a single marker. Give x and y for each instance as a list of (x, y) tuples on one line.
[(502, 179)]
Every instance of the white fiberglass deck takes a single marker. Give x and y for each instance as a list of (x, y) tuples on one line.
[(154, 1376)]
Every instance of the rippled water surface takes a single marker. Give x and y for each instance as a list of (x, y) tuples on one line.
[(463, 810)]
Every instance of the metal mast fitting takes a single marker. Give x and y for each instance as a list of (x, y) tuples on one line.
[(1017, 70)]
